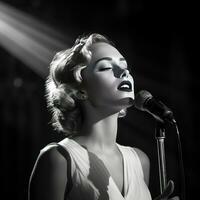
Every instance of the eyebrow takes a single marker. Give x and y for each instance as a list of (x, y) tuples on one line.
[(109, 59)]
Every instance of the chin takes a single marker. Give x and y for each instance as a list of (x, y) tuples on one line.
[(126, 102), (125, 95), (130, 102)]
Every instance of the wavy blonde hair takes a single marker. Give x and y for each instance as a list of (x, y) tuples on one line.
[(62, 84)]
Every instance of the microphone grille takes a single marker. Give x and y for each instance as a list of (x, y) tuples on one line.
[(141, 98)]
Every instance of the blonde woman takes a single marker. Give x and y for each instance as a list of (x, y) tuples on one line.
[(89, 87)]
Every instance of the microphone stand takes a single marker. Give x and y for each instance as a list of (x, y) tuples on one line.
[(160, 138)]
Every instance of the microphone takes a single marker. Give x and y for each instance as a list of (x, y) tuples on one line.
[(144, 101)]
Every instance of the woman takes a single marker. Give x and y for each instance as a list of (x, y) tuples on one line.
[(88, 89)]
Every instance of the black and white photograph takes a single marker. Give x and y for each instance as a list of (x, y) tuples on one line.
[(99, 100)]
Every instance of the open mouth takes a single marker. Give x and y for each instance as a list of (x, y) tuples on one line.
[(125, 86)]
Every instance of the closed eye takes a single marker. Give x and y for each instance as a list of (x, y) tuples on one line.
[(105, 68)]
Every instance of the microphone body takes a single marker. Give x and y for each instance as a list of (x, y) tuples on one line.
[(144, 101)]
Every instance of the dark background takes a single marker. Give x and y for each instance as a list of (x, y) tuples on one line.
[(158, 41)]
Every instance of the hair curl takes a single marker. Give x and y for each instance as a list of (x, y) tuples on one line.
[(62, 84)]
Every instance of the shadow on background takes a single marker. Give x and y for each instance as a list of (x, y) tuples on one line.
[(158, 41)]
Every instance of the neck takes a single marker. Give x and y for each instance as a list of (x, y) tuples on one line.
[(99, 131)]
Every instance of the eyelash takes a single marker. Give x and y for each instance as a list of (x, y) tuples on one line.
[(104, 69)]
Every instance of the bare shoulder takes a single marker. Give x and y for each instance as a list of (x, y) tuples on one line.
[(144, 159), (49, 175), (145, 162), (50, 156)]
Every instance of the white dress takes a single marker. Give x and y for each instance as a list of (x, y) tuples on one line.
[(92, 181)]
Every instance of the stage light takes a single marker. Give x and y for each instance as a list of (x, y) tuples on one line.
[(28, 39)]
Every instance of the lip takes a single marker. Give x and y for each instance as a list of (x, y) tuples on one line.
[(125, 89)]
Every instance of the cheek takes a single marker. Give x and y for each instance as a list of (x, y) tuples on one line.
[(102, 84)]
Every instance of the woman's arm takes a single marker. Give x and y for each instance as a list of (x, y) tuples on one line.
[(144, 159), (49, 176)]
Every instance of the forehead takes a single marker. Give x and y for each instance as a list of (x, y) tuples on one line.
[(101, 50)]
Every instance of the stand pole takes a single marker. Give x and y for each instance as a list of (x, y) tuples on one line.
[(160, 137)]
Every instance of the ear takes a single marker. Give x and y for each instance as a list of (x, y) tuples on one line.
[(77, 72)]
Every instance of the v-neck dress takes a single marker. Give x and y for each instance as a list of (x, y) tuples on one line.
[(92, 181)]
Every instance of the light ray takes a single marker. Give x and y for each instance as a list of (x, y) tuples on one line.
[(28, 39)]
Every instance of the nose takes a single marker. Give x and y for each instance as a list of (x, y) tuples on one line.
[(125, 73)]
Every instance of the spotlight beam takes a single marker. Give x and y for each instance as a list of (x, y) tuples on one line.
[(29, 40)]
